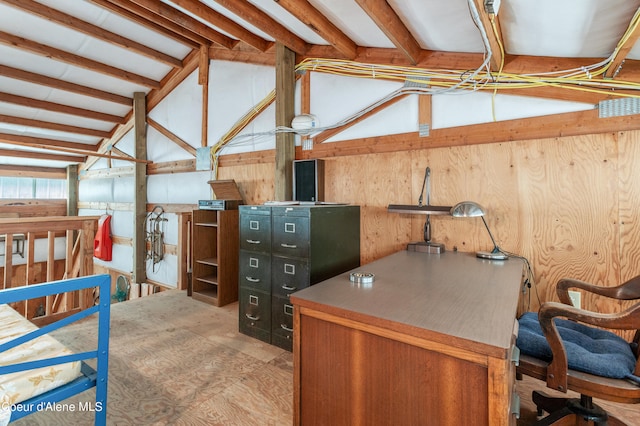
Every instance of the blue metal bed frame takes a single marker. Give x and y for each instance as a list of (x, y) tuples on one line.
[(90, 377)]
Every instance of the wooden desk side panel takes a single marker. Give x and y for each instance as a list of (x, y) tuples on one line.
[(348, 376)]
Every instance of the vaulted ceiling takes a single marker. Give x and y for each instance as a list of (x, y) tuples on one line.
[(69, 68)]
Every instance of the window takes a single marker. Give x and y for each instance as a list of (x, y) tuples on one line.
[(18, 187)]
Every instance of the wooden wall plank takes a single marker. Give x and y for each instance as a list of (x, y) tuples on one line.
[(568, 204)]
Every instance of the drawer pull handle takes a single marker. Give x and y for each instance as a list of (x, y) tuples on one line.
[(286, 287), (284, 327), (291, 246), (253, 280), (253, 241), (252, 318)]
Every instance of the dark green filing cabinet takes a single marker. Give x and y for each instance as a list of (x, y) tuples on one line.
[(284, 249)]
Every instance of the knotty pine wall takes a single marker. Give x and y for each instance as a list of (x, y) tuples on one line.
[(568, 204)]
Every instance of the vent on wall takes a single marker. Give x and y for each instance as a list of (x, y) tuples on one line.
[(618, 107)]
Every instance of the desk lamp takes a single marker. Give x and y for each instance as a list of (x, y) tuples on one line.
[(472, 209)]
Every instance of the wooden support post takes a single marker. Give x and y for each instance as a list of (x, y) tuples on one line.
[(285, 142), (8, 260), (184, 250), (140, 197), (203, 80), (87, 235), (305, 106), (424, 115), (72, 190)]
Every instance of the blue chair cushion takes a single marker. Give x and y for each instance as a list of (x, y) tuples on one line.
[(590, 350)]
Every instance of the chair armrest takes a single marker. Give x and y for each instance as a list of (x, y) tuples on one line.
[(629, 290), (557, 369)]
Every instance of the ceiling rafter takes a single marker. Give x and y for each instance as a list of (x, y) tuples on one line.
[(321, 25), (55, 107), (91, 30), (496, 62), (225, 24), (390, 23), (55, 145), (41, 156), (265, 23), (146, 17), (621, 55), (55, 83), (46, 143), (19, 121), (150, 24), (164, 10), (76, 60)]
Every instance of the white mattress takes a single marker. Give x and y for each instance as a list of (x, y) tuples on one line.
[(20, 386)]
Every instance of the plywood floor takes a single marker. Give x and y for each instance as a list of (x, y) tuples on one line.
[(176, 361)]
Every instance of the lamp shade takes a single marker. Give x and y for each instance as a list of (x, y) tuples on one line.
[(467, 209)]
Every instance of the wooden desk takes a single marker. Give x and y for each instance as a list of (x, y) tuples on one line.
[(429, 342)]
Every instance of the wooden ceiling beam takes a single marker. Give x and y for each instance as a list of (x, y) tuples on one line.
[(241, 54), (55, 145), (494, 36), (158, 8), (45, 143), (390, 23), (321, 25), (151, 24), (225, 24), (265, 23), (328, 134), (621, 54), (55, 107), (172, 136), (37, 172), (436, 60), (144, 15), (76, 60), (19, 121), (55, 83), (16, 153), (91, 30)]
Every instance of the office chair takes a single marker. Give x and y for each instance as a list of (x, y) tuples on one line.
[(570, 349)]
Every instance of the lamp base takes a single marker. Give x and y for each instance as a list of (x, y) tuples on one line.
[(492, 255), (426, 247)]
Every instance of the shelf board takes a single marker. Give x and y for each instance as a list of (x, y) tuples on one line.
[(209, 279), (212, 261)]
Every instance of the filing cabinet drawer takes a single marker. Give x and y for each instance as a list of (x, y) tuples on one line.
[(255, 233), (255, 314), (282, 323), (255, 270), (291, 236), (288, 275)]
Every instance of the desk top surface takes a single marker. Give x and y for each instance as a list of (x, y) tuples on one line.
[(455, 294)]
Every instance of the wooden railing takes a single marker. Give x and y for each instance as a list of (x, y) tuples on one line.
[(79, 233)]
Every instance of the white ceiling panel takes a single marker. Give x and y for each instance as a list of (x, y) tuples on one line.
[(353, 21), (567, 28), (440, 26)]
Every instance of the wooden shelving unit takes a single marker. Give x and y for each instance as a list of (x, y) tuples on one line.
[(215, 256)]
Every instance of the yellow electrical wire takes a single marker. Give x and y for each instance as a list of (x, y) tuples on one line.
[(237, 128), (497, 77), (586, 81)]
